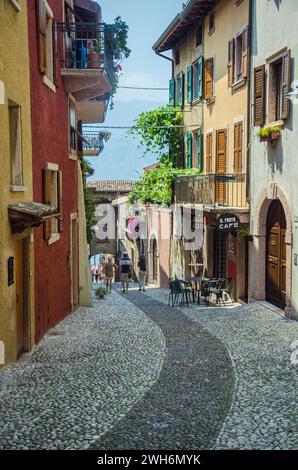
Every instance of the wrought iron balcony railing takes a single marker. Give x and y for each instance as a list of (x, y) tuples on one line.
[(87, 46), (212, 190)]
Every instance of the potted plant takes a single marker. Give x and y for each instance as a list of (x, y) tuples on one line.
[(120, 39), (101, 292), (94, 55), (269, 134)]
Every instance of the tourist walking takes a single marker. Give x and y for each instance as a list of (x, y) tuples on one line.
[(142, 272), (125, 268), (109, 269)]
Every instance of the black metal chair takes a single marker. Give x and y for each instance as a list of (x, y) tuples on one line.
[(227, 289), (178, 290)]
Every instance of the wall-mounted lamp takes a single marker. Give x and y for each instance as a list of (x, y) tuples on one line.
[(292, 95)]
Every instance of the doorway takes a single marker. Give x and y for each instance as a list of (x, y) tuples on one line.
[(74, 262), (22, 286), (276, 255), (220, 254)]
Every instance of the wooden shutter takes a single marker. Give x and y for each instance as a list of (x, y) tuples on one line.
[(259, 95), (60, 201), (47, 199), (41, 31), (55, 52), (189, 150), (245, 53), (221, 161), (189, 83), (231, 46), (238, 138), (181, 89), (286, 83), (200, 77), (208, 82), (182, 152), (200, 150), (209, 143), (172, 92)]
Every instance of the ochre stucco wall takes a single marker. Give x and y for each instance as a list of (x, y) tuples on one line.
[(14, 75)]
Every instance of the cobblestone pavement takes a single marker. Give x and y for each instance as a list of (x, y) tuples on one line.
[(187, 405), (264, 412), (132, 373), (82, 379)]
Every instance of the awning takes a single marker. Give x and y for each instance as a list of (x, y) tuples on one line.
[(24, 215)]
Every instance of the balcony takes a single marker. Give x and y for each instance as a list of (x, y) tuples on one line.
[(214, 192), (93, 143), (87, 60)]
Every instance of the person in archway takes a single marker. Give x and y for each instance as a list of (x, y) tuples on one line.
[(109, 269), (125, 268), (142, 272)]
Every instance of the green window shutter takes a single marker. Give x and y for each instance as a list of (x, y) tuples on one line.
[(200, 77), (172, 92), (189, 83), (189, 150), (182, 152), (200, 150), (181, 89)]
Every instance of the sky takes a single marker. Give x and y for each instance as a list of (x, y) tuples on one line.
[(121, 159)]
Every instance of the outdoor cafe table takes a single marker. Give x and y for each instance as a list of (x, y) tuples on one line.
[(197, 280)]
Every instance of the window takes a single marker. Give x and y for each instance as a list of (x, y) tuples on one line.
[(279, 86), (197, 150), (52, 195), (181, 162), (211, 24), (197, 76), (177, 57), (237, 58), (172, 86), (16, 153), (73, 139), (259, 95), (179, 90), (238, 145), (199, 34), (189, 150), (47, 43), (208, 79), (209, 144)]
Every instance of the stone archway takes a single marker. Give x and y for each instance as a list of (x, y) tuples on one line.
[(258, 248)]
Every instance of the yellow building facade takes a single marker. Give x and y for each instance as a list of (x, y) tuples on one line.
[(16, 249)]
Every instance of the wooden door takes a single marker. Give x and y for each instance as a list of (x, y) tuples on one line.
[(221, 164), (74, 265), (276, 255), (19, 280)]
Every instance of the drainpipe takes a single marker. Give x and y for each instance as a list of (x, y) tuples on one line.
[(248, 152), (168, 58)]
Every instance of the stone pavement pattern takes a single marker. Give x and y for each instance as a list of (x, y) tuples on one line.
[(264, 412), (132, 373), (81, 381)]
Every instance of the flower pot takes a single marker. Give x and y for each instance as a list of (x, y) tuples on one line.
[(94, 60), (275, 135)]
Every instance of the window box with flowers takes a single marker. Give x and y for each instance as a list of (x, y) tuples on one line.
[(270, 134)]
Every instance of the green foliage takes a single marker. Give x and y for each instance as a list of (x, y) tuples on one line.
[(158, 134), (155, 186), (89, 201), (101, 292), (121, 35), (265, 132)]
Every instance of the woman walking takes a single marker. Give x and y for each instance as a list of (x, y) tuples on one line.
[(125, 267), (142, 272), (109, 268)]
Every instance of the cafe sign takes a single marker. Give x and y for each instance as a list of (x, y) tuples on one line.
[(228, 223)]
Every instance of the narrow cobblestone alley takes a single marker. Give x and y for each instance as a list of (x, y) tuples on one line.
[(132, 373)]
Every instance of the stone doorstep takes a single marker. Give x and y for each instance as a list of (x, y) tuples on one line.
[(270, 306)]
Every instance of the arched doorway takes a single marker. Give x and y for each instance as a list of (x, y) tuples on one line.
[(276, 257)]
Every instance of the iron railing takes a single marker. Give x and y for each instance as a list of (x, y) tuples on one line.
[(93, 141), (212, 190), (87, 45)]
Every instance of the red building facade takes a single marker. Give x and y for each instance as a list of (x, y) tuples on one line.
[(50, 150)]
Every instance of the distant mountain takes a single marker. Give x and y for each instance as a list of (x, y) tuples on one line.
[(121, 158)]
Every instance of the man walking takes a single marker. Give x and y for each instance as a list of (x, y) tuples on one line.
[(125, 268), (142, 272)]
